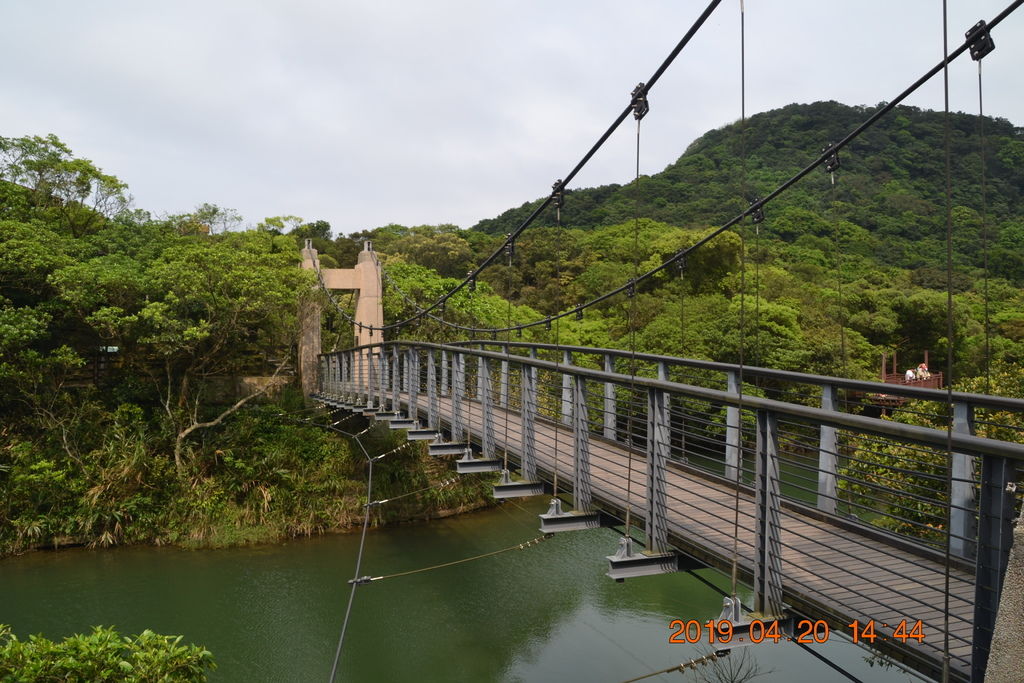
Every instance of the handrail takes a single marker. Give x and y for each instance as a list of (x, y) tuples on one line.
[(926, 436), (867, 386)]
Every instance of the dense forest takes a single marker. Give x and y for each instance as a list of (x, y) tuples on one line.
[(126, 341)]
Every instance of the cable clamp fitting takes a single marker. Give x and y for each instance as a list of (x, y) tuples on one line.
[(832, 160), (472, 281), (631, 289), (579, 314), (510, 246), (558, 193), (757, 211), (681, 263), (980, 41), (361, 580), (639, 103)]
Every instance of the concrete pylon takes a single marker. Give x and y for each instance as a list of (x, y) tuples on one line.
[(365, 280)]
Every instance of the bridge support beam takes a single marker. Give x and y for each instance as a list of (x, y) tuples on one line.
[(657, 457), (483, 369), (828, 448), (396, 379), (458, 393), (566, 390), (767, 544), (733, 466), (528, 416), (445, 389), (963, 527), (995, 536), (609, 399), (581, 490), (433, 407)]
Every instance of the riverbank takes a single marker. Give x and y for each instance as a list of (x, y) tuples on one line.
[(257, 480)]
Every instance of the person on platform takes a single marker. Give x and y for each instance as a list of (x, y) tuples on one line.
[(922, 371), (910, 376)]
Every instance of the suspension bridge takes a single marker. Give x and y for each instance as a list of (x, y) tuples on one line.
[(894, 532), (713, 472)]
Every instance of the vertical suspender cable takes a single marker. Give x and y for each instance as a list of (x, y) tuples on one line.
[(743, 323), (985, 237), (949, 348), (558, 352), (638, 113)]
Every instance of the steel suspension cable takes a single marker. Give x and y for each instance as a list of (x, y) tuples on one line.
[(666, 63), (780, 189)]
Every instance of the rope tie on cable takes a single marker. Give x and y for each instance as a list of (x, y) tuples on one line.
[(519, 546), (682, 667)]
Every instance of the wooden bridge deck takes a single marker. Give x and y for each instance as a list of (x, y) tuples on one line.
[(830, 572)]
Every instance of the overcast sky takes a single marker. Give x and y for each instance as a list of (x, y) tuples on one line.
[(368, 112)]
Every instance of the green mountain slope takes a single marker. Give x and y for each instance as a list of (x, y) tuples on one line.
[(891, 184)]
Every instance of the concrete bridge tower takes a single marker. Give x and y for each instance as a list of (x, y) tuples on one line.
[(365, 280)]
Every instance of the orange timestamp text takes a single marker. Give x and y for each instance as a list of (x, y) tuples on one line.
[(805, 631)]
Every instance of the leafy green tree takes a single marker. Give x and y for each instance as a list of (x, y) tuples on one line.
[(103, 655), (72, 192)]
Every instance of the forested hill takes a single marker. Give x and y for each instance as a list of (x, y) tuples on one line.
[(891, 184), (835, 276)]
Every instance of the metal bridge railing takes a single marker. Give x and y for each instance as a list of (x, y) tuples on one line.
[(792, 455)]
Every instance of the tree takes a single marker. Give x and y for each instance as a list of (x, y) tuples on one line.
[(200, 309), (74, 192)]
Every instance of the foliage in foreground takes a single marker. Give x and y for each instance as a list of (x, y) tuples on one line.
[(103, 655)]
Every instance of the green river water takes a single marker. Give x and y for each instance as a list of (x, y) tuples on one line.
[(273, 613)]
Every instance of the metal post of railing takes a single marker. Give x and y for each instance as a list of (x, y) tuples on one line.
[(433, 406), (995, 536), (767, 544), (963, 526), (396, 379), (503, 390), (445, 388), (340, 360), (487, 428), (664, 376), (412, 382), (528, 413), (382, 381), (346, 370), (733, 464), (566, 390), (657, 457), (581, 489), (609, 399), (828, 450), (479, 379), (458, 394)]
